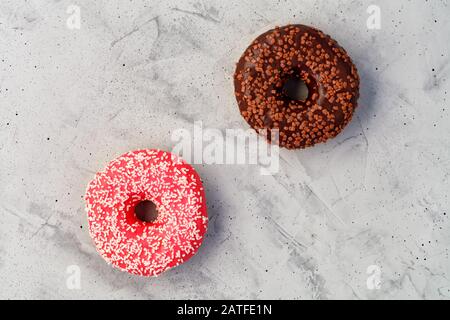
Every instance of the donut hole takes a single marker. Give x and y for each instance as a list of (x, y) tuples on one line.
[(146, 211), (296, 89)]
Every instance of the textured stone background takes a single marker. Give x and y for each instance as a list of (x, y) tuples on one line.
[(71, 100)]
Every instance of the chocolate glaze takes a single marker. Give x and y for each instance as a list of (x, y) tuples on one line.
[(297, 51)]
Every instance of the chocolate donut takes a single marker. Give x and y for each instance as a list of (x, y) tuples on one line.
[(281, 59)]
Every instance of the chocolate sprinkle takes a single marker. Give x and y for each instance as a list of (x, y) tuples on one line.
[(306, 54)]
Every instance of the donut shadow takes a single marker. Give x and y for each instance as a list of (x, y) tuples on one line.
[(364, 112), (190, 272), (215, 233), (368, 93)]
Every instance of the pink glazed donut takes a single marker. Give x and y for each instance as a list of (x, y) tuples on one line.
[(147, 212)]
